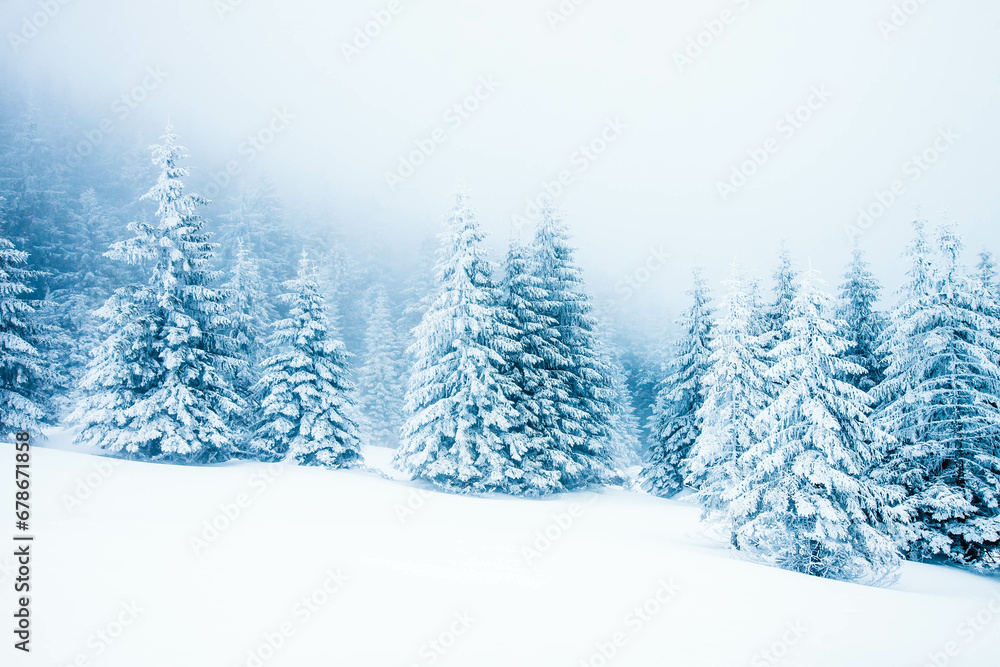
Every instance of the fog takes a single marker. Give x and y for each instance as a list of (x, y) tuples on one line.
[(534, 87)]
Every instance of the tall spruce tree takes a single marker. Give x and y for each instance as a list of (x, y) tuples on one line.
[(24, 374), (736, 390), (157, 388), (805, 502), (940, 399), (675, 423), (858, 308), (458, 430), (305, 393), (786, 278), (583, 450), (380, 379)]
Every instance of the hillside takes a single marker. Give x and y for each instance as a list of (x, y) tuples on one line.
[(414, 577)]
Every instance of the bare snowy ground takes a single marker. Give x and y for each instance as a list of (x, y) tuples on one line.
[(144, 565)]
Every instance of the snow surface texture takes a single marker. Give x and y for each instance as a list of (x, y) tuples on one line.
[(464, 572)]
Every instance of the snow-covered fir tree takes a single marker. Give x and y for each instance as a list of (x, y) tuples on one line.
[(250, 313), (583, 451), (24, 373), (675, 422), (940, 399), (805, 502), (532, 362), (157, 388), (306, 396), (457, 434), (859, 295), (786, 278), (736, 389), (380, 378)]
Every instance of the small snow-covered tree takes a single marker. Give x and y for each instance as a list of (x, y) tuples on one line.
[(250, 314), (859, 294), (380, 379), (675, 424), (305, 393), (24, 375), (736, 390), (805, 502), (157, 388), (460, 416), (940, 399)]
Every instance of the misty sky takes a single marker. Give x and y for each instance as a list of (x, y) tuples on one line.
[(672, 130)]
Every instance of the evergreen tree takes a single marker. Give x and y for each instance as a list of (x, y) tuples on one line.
[(249, 313), (380, 379), (940, 399), (306, 396), (254, 220), (460, 416), (805, 502), (157, 386), (582, 451), (859, 295), (675, 422), (780, 310), (736, 389), (24, 375), (535, 391)]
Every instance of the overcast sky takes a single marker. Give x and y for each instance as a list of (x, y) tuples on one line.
[(673, 128)]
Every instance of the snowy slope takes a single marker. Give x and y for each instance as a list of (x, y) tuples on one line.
[(449, 583)]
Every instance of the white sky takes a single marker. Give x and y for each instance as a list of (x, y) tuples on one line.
[(655, 186)]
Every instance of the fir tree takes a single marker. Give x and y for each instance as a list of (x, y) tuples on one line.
[(805, 502), (380, 379), (859, 294), (457, 433), (785, 280), (24, 375), (675, 422), (582, 451), (157, 386), (940, 399), (736, 390), (250, 314), (306, 396), (531, 362)]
